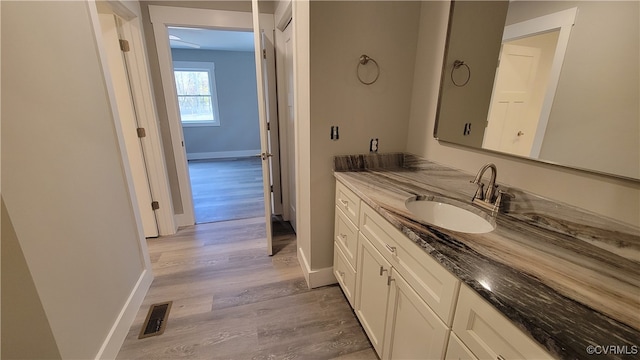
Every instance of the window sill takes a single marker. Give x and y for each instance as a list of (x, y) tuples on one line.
[(199, 123)]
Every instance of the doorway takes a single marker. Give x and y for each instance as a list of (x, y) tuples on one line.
[(214, 71), (520, 86), (163, 18)]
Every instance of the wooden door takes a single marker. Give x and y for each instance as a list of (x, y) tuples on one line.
[(269, 72), (262, 117), (127, 116), (510, 127), (290, 125)]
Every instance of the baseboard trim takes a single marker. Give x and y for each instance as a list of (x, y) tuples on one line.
[(302, 260), (221, 154), (114, 340), (182, 220), (315, 278)]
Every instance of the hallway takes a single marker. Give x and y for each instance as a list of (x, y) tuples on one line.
[(232, 301)]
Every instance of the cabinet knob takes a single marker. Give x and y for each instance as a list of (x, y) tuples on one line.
[(344, 203), (500, 357), (390, 279), (341, 273), (343, 237)]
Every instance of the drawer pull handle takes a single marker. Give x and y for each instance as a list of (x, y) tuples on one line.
[(390, 248), (344, 203), (390, 279), (382, 270)]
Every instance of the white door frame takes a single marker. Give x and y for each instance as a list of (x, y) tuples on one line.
[(161, 17), (283, 18), (111, 34), (562, 20)]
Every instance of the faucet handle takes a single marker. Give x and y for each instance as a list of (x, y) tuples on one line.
[(501, 194), (480, 191)]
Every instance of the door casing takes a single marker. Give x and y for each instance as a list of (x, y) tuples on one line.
[(161, 17)]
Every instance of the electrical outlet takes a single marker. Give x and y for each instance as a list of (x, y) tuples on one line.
[(373, 145), (467, 129), (335, 135)]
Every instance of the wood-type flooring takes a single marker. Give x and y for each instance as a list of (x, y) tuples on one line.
[(226, 189), (233, 301)]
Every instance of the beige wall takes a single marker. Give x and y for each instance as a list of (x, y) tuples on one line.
[(341, 31), (235, 77), (479, 50), (63, 180), (28, 334), (610, 197)]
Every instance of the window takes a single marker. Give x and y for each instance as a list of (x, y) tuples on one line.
[(196, 89)]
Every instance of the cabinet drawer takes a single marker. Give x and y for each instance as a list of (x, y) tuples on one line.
[(346, 236), (457, 350), (488, 333), (348, 202), (345, 274), (435, 284)]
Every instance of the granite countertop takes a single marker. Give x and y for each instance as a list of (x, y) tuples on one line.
[(566, 277)]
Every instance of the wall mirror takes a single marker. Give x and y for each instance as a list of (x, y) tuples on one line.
[(557, 82)]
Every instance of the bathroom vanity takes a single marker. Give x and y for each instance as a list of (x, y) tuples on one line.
[(550, 281)]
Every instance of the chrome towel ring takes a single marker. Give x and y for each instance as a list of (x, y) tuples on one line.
[(364, 60), (456, 65)]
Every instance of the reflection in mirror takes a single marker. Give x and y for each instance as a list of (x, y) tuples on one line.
[(553, 81)]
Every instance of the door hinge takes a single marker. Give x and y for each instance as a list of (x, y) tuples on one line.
[(271, 188), (268, 126), (124, 45), (155, 205), (141, 132), (264, 53)]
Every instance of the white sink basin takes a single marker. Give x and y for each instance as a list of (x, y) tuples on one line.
[(449, 214)]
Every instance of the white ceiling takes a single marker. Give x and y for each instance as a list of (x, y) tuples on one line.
[(207, 39)]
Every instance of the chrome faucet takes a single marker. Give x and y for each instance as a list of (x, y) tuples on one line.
[(488, 199)]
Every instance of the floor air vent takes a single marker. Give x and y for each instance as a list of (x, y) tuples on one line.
[(156, 320)]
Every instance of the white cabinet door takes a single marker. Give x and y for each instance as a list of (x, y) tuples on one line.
[(435, 284), (488, 333), (372, 292), (413, 330), (457, 350)]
